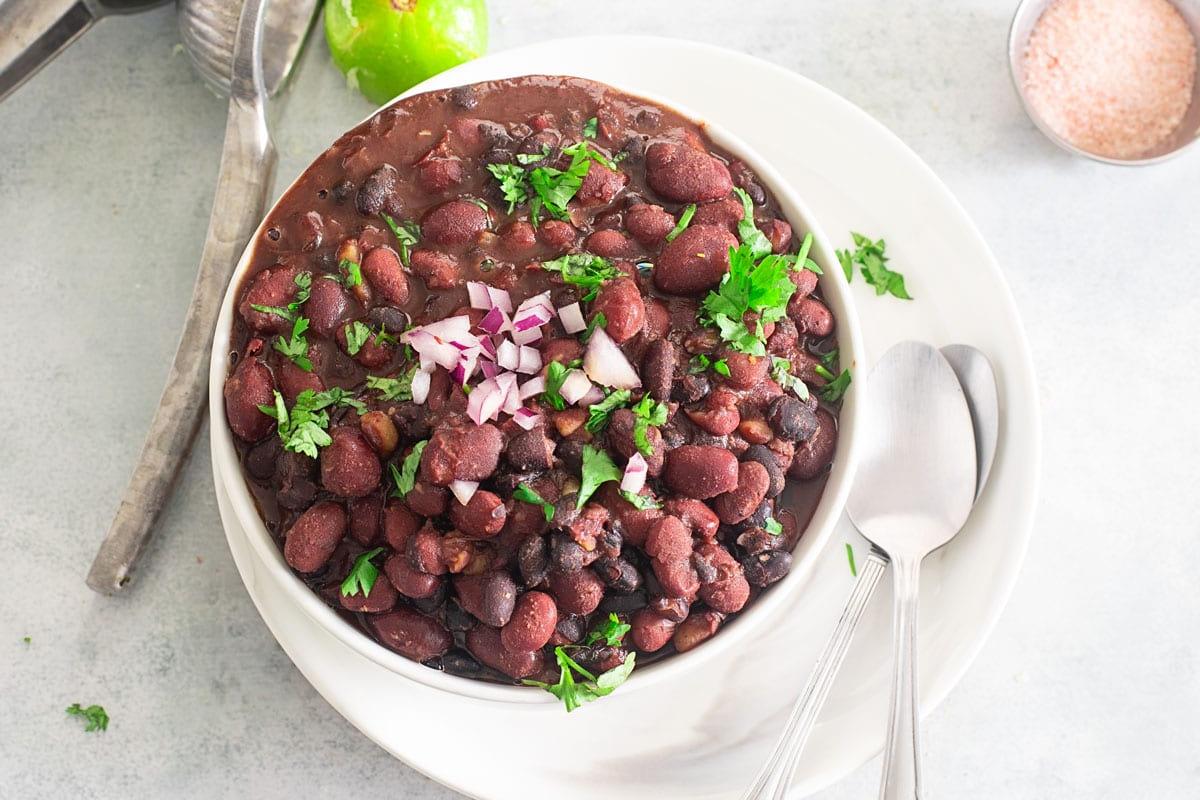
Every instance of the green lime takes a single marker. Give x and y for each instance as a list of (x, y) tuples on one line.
[(388, 46)]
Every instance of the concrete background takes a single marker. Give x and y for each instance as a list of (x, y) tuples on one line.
[(1089, 687)]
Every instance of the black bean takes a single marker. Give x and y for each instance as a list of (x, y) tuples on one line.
[(618, 574), (260, 461), (570, 453), (459, 663), (464, 97), (757, 540), (690, 389), (791, 419), (392, 319), (342, 190), (533, 560), (756, 520), (672, 608), (430, 605), (455, 618), (376, 189), (621, 603), (570, 628), (765, 568), (566, 555)]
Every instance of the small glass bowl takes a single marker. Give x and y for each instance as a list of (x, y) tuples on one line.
[(1027, 14)]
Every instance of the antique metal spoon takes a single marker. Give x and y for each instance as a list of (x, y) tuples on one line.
[(978, 382)]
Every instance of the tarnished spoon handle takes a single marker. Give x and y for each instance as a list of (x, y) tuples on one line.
[(776, 775), (247, 166)]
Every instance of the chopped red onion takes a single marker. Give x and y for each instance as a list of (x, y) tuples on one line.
[(500, 299), (484, 402), (456, 328), (572, 318), (420, 387), (533, 386), (575, 386), (606, 364), (531, 336), (529, 360), (464, 490), (527, 418), (495, 321), (512, 395), (594, 395), (490, 370), (431, 349), (489, 347), (534, 317), (479, 296), (465, 367), (507, 355), (635, 474)]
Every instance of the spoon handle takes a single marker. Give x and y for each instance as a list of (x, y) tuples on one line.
[(902, 755), (775, 776)]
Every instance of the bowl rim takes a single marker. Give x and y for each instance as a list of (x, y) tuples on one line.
[(835, 291)]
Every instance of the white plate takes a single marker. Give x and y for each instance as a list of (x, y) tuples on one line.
[(704, 737)]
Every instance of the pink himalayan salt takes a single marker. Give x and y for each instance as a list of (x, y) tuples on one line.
[(1112, 77)]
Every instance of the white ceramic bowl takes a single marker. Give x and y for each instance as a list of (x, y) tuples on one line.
[(835, 292)]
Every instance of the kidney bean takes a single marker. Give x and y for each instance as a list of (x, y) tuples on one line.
[(736, 505), (314, 536), (686, 174), (453, 224), (530, 450), (410, 634), (556, 234), (649, 632), (486, 645), (408, 580), (249, 386), (727, 590), (620, 437), (658, 369), (533, 560), (438, 175), (610, 243), (658, 320), (364, 518), (380, 432), (695, 261), (755, 430), (483, 516), (569, 630), (379, 186), (600, 185), (763, 455), (563, 351), (719, 415), (791, 419), (328, 305), (382, 269), (814, 455), (490, 596), (371, 354), (398, 525), (700, 471), (382, 597), (695, 514), (576, 592), (778, 233), (620, 301), (427, 500), (532, 623), (726, 213), (293, 380), (766, 567), (649, 224), (276, 287), (697, 628), (806, 284), (440, 271), (811, 316), (349, 467), (518, 238), (669, 545), (424, 551), (464, 453), (745, 371)]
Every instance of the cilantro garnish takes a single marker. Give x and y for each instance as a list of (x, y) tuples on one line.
[(781, 371), (685, 219), (556, 374), (304, 430), (528, 495), (352, 271), (647, 412), (837, 386), (362, 575), (530, 158), (406, 476), (95, 716), (513, 183), (872, 260), (641, 502), (802, 259), (830, 359), (407, 235), (598, 469), (759, 286), (547, 188), (583, 270), (296, 347), (27, 639), (773, 527), (575, 691), (701, 362), (611, 631), (850, 558), (748, 232), (721, 367), (598, 413), (590, 128), (303, 281), (598, 321), (356, 336), (393, 389)]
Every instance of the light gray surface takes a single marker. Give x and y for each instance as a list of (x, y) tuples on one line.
[(1089, 687)]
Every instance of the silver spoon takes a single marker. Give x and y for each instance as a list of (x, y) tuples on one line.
[(978, 381), (243, 186)]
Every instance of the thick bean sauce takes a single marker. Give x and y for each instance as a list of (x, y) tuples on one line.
[(489, 588)]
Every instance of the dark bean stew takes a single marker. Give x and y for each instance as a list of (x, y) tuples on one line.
[(530, 377)]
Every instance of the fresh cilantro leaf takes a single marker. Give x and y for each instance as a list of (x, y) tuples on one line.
[(555, 188), (514, 183), (393, 389), (699, 363), (781, 372), (598, 413), (837, 386), (685, 219), (802, 259), (871, 257), (530, 158), (761, 286), (356, 336), (773, 527), (829, 360), (850, 558), (303, 430), (748, 232), (382, 337), (362, 575), (597, 470), (647, 412), (598, 321), (590, 128), (528, 495), (721, 367), (556, 374), (575, 692), (27, 639), (407, 235), (641, 502), (352, 271), (406, 476), (296, 347), (95, 716), (611, 631), (583, 270), (303, 282)]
